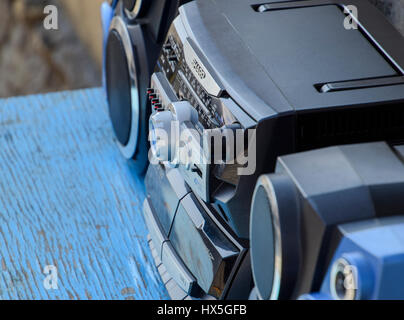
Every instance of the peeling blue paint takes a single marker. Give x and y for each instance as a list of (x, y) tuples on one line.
[(69, 199)]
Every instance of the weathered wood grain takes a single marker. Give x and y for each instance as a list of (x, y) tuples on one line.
[(69, 199)]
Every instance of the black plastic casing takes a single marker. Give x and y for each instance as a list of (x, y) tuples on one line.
[(274, 65), (305, 82)]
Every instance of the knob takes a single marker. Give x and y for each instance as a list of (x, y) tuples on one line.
[(183, 111), (165, 129), (160, 135), (186, 117)]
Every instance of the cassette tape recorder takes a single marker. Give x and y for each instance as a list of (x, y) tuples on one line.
[(228, 91)]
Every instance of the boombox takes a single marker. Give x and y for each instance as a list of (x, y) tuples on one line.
[(272, 140)]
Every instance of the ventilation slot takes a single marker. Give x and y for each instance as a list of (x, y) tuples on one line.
[(366, 124)]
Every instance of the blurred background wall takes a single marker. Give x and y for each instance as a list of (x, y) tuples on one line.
[(85, 13), (34, 60)]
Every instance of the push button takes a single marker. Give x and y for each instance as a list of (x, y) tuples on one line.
[(165, 188), (202, 246), (177, 269), (154, 227)]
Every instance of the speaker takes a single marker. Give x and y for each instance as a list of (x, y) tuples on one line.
[(274, 233), (127, 77), (133, 36)]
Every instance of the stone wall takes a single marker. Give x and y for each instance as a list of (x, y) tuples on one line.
[(33, 59)]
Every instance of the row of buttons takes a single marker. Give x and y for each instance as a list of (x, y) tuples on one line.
[(154, 99), (170, 54)]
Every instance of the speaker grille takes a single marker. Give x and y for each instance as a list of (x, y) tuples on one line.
[(365, 124), (118, 87)]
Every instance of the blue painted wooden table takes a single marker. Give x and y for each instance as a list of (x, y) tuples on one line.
[(68, 199)]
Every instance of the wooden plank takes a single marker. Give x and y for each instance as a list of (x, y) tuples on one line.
[(69, 199)]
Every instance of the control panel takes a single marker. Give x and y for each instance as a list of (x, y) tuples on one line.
[(191, 80), (186, 92)]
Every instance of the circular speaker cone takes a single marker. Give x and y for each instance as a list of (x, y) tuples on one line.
[(122, 87), (351, 277), (343, 281), (263, 250), (274, 237), (118, 88)]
